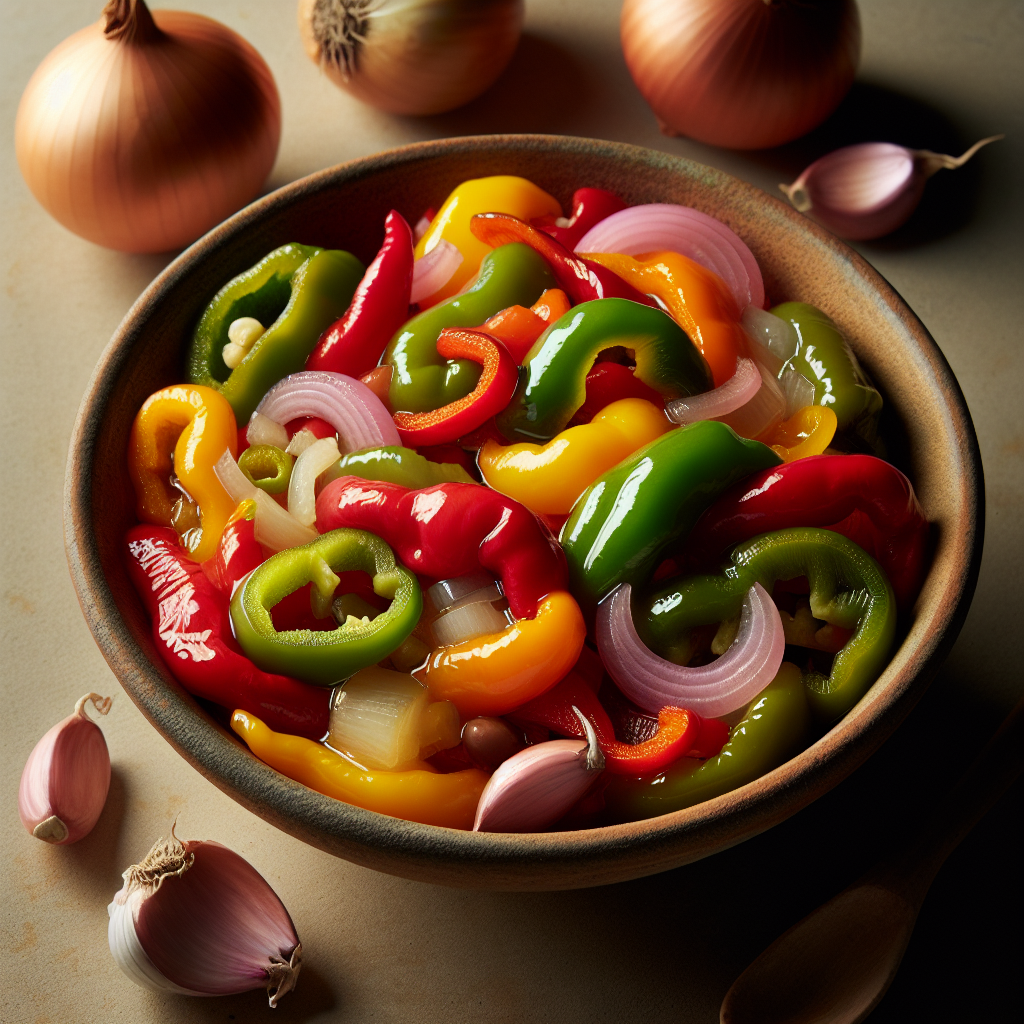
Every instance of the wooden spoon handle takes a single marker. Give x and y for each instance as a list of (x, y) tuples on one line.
[(912, 870)]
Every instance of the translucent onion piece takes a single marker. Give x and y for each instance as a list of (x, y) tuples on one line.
[(263, 430), (447, 592), (433, 271), (470, 619), (301, 440), (728, 683), (276, 529), (534, 788), (376, 717), (772, 333), (355, 412), (798, 390), (667, 226), (737, 391), (763, 413), (302, 484)]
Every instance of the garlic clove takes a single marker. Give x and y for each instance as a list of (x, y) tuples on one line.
[(870, 189), (195, 918), (66, 777), (537, 786)]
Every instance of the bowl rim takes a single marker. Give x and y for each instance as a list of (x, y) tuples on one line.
[(489, 860)]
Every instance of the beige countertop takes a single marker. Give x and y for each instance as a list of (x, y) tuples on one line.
[(935, 74)]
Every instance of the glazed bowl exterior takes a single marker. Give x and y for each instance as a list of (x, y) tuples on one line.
[(930, 430)]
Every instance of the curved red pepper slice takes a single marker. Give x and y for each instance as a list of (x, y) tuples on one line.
[(452, 529), (590, 206), (493, 391), (866, 499), (580, 279), (192, 632), (608, 382), (354, 343)]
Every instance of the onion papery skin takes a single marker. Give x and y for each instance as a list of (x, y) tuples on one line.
[(725, 685), (747, 74), (354, 411), (143, 146), (655, 227), (417, 56)]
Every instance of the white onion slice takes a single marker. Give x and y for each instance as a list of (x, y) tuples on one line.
[(737, 391), (302, 483), (355, 412), (763, 412), (434, 270), (667, 226), (275, 528), (467, 620), (263, 430), (798, 390), (772, 333), (728, 683), (301, 440)]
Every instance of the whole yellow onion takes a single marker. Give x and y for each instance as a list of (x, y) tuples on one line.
[(747, 74), (411, 56), (143, 131)]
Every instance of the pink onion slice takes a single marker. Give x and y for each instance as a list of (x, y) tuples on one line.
[(727, 684), (738, 390), (354, 411), (434, 270), (668, 226)]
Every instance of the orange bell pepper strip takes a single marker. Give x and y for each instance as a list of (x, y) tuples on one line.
[(519, 327), (549, 478), (495, 673), (422, 795), (197, 423), (697, 298), (552, 305), (809, 431)]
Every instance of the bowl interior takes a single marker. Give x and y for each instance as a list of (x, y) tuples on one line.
[(344, 207)]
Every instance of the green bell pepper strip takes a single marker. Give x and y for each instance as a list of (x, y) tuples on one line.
[(512, 275), (555, 383), (297, 291), (825, 358), (329, 656), (396, 465), (622, 523), (774, 727), (848, 589), (267, 466)]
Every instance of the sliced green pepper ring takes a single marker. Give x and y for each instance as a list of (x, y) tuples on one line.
[(848, 589), (330, 656), (267, 466)]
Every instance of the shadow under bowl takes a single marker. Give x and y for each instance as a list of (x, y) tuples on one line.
[(344, 207)]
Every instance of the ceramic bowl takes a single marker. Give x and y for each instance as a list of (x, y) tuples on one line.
[(928, 425)]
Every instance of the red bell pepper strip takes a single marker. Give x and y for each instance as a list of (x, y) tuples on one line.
[(866, 499), (494, 390), (316, 426), (590, 206), (238, 552), (354, 343), (679, 731), (192, 632), (580, 279), (452, 529), (608, 382)]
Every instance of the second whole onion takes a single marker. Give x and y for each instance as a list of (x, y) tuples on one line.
[(747, 74), (411, 56)]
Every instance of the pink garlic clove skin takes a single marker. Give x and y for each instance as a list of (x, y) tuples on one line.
[(66, 778), (869, 190)]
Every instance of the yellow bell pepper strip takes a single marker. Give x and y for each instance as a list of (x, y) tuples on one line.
[(698, 299), (549, 478), (495, 673), (504, 193), (197, 424), (422, 795), (499, 376), (809, 431)]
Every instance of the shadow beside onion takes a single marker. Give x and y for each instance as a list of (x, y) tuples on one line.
[(874, 113)]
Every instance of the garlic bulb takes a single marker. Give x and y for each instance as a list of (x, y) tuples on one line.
[(537, 786), (411, 56), (195, 918), (66, 778), (868, 190), (142, 131)]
